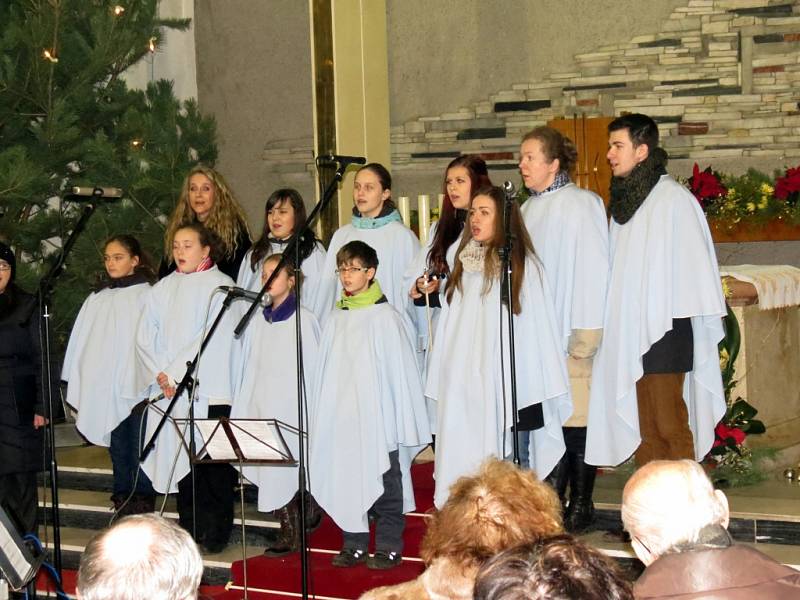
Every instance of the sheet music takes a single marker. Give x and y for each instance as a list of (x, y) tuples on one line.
[(262, 443)]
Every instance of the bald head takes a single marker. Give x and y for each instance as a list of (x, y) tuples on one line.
[(141, 556), (668, 502)]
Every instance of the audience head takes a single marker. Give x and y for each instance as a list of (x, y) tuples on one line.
[(140, 556), (556, 568), (500, 507), (668, 503), (543, 153)]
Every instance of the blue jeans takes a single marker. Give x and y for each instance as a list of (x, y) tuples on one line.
[(126, 443), (524, 449)]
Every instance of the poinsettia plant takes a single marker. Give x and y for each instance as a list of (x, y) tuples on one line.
[(787, 188), (753, 197), (706, 185), (729, 453)]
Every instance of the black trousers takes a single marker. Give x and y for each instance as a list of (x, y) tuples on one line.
[(18, 498), (214, 496), (388, 513)]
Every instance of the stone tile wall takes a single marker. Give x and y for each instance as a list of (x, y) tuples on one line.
[(722, 79)]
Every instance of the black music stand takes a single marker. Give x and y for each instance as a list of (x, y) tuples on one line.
[(242, 442)]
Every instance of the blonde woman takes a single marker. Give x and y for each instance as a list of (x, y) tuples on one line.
[(206, 198)]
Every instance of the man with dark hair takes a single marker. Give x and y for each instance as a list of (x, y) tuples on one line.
[(656, 382)]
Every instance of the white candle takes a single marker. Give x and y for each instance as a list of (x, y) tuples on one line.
[(404, 206), (424, 208)]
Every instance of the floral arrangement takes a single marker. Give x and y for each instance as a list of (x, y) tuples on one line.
[(734, 463), (753, 197)]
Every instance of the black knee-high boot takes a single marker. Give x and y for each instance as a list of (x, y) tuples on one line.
[(580, 513), (558, 478)]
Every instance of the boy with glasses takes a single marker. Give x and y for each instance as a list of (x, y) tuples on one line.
[(368, 417)]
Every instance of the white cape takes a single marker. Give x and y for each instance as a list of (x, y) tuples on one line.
[(265, 387), (466, 376), (663, 266), (170, 332), (425, 335), (367, 401), (99, 359), (396, 246), (569, 230), (312, 269)]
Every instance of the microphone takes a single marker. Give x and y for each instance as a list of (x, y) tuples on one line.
[(97, 192), (342, 158), (237, 292), (509, 189)]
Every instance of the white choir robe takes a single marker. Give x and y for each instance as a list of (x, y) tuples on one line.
[(366, 401), (312, 269), (396, 246), (98, 364), (466, 378), (170, 333), (663, 266), (416, 270), (569, 230), (264, 367)]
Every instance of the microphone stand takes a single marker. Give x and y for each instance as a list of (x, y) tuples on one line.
[(45, 293), (293, 250), (507, 298)]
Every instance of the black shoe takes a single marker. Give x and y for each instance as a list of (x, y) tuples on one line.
[(279, 548), (348, 557), (214, 547), (384, 560)]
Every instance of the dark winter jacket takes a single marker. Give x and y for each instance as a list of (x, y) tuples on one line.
[(20, 384)]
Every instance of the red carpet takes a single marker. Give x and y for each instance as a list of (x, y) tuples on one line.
[(283, 574)]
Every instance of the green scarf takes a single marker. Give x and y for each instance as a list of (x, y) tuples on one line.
[(628, 193), (368, 297)]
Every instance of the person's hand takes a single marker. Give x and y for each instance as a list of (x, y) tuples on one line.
[(39, 421), (426, 286), (162, 379)]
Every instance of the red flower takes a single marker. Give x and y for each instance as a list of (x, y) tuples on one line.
[(706, 185), (723, 432), (787, 187)]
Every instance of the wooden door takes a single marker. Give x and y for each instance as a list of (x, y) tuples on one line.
[(591, 138)]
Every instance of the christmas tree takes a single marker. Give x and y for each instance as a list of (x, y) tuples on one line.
[(68, 119)]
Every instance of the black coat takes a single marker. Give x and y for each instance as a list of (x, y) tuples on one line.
[(21, 446)]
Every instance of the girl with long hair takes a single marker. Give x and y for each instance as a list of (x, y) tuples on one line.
[(207, 198), (468, 375), (284, 212), (98, 368)]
